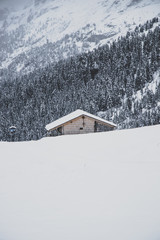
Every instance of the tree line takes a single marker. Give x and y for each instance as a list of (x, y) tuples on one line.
[(103, 81)]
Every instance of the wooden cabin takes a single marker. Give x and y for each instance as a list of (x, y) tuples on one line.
[(78, 122)]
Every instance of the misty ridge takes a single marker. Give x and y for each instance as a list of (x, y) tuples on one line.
[(15, 5)]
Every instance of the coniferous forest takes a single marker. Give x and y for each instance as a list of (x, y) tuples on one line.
[(113, 81)]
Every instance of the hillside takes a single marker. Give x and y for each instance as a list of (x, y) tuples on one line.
[(59, 56), (36, 33), (120, 82), (94, 186)]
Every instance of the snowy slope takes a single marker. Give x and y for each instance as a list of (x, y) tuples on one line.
[(95, 186), (82, 25), (138, 97)]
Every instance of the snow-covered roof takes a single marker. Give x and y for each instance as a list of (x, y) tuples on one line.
[(59, 122)]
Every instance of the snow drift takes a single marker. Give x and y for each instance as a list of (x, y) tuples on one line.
[(91, 186)]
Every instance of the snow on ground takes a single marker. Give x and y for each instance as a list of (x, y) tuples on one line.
[(138, 96), (156, 81), (91, 186), (152, 86)]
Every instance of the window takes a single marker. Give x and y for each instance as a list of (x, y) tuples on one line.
[(83, 117), (81, 128), (59, 130), (95, 126)]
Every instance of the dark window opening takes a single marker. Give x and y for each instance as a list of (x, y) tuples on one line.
[(56, 132), (81, 128), (59, 130), (95, 126), (83, 117), (98, 127)]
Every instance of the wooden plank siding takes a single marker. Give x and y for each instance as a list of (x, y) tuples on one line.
[(81, 124)]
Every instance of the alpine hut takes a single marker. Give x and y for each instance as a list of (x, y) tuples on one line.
[(78, 122)]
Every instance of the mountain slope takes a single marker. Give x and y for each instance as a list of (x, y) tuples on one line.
[(65, 28), (122, 79), (91, 186)]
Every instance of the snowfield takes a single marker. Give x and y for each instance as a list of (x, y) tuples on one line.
[(91, 186)]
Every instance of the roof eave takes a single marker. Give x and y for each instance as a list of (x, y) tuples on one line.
[(101, 121)]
